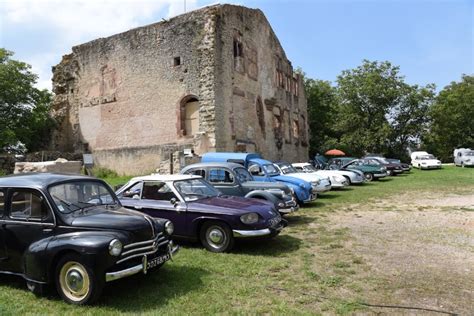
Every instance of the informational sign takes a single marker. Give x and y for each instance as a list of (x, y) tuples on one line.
[(88, 160)]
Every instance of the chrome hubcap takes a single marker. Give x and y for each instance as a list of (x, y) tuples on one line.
[(74, 280), (216, 236)]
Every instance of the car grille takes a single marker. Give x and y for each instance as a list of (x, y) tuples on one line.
[(142, 248)]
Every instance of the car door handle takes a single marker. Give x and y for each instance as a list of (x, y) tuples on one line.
[(138, 207)]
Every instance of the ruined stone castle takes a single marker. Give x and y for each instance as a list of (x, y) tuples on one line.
[(215, 79)]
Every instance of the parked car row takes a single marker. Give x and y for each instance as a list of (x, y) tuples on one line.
[(76, 233)]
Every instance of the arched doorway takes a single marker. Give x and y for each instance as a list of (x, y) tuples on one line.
[(189, 116)]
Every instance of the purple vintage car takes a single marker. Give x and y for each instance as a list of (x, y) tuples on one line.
[(199, 211)]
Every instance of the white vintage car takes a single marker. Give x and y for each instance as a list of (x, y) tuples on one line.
[(424, 160), (351, 176), (321, 183), (464, 157)]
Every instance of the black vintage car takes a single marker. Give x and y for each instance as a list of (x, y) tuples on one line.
[(233, 179), (71, 231)]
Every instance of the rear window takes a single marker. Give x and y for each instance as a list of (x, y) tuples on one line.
[(220, 176)]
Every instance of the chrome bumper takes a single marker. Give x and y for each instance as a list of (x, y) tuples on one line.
[(290, 207), (312, 198), (323, 189), (112, 276), (251, 233), (288, 210), (380, 175)]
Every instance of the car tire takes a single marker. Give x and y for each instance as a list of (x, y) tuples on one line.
[(368, 176), (76, 282), (216, 236), (390, 173), (462, 164), (348, 180)]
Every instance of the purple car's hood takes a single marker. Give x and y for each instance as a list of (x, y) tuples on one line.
[(226, 204)]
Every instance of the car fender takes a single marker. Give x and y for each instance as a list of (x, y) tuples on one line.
[(40, 258), (196, 223), (259, 194)]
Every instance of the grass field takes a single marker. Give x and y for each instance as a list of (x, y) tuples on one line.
[(311, 268)]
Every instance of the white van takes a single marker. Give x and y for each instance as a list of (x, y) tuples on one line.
[(463, 157)]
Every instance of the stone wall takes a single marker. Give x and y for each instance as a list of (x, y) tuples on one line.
[(121, 97), (7, 163), (259, 98)]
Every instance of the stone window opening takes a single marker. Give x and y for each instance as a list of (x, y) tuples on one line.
[(286, 126), (177, 61), (238, 48), (261, 116), (189, 116), (296, 129), (238, 51)]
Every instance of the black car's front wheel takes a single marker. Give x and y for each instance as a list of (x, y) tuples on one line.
[(216, 236), (368, 176), (76, 282)]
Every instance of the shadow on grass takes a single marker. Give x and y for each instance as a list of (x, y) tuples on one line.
[(299, 219), (137, 294), (142, 293), (346, 188), (327, 196), (386, 179), (275, 247)]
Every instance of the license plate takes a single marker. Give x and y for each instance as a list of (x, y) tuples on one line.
[(274, 221), (157, 261)]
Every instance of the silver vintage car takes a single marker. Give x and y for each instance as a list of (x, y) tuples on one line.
[(464, 157)]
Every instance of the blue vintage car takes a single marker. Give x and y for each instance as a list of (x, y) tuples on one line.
[(264, 170)]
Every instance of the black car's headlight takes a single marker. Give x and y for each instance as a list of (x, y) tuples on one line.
[(115, 248), (169, 228), (249, 218)]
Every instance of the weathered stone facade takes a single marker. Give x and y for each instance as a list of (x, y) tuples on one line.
[(126, 98)]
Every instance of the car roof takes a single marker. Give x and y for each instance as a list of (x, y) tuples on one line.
[(301, 164), (164, 177), (230, 165), (40, 180), (211, 157)]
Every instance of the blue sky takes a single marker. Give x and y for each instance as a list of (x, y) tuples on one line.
[(431, 40)]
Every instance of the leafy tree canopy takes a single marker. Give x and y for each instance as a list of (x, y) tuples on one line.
[(371, 109), (24, 109), (452, 119)]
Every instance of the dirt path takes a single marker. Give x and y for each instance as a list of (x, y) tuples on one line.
[(420, 250)]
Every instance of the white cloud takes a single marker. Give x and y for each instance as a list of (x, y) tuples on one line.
[(72, 22)]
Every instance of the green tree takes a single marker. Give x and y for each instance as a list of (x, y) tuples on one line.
[(452, 119), (377, 111), (322, 101), (24, 109)]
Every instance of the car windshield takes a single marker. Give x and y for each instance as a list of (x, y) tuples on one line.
[(195, 189), (393, 160), (427, 157), (286, 168), (270, 170), (309, 168), (383, 160), (243, 175), (78, 195), (470, 153)]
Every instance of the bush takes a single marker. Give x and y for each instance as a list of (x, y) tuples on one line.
[(102, 173)]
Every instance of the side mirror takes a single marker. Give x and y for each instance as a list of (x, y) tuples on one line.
[(174, 201)]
